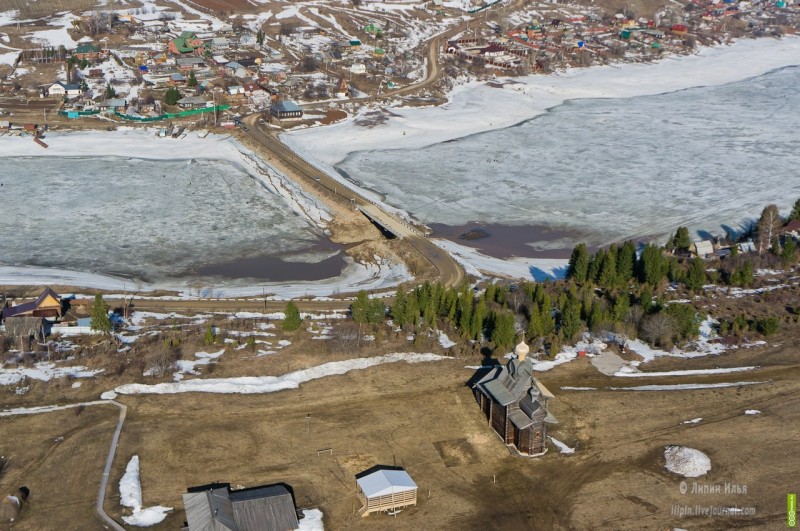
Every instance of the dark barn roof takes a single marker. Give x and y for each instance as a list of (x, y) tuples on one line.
[(20, 309), (217, 507)]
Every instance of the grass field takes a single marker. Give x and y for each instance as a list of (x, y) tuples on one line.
[(423, 417)]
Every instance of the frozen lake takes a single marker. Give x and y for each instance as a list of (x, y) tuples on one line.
[(155, 220), (604, 170)]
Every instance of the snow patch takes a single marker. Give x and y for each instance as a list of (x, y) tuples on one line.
[(311, 521), (130, 494), (271, 384), (686, 462), (752, 412), (563, 448)]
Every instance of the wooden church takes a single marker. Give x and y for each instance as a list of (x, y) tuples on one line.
[(515, 404)]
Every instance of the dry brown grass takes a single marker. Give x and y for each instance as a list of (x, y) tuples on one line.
[(424, 418)]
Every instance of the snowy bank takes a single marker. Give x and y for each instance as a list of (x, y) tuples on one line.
[(563, 448), (686, 462), (477, 107), (44, 371), (270, 384), (130, 495)]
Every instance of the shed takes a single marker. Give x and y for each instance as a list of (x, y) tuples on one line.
[(386, 490), (703, 248)]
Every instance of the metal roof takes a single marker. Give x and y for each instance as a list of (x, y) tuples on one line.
[(266, 508), (385, 482)]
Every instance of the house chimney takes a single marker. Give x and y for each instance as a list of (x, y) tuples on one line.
[(521, 351)]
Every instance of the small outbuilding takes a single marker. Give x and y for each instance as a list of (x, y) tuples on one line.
[(385, 490), (703, 248)]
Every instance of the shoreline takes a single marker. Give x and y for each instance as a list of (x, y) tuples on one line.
[(522, 99)]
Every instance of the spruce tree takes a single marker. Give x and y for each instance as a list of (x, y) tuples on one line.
[(570, 318), (696, 278), (546, 312), (607, 277), (100, 320), (652, 267), (376, 311), (398, 309), (621, 306), (209, 338), (291, 319), (359, 308), (477, 321), (626, 260), (503, 333), (682, 241), (789, 252), (578, 264), (535, 327), (192, 81), (795, 214)]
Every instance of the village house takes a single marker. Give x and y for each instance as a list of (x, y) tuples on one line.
[(358, 68), (190, 63), (48, 304), (284, 110), (112, 105), (186, 43), (515, 404), (703, 248), (192, 102), (60, 89), (385, 489), (87, 51), (791, 229), (217, 507)]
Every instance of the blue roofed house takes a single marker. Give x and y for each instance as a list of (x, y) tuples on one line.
[(60, 89), (286, 109)]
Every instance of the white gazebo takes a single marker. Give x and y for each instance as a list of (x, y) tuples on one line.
[(386, 490)]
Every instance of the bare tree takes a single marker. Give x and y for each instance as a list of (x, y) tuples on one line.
[(658, 329), (767, 227)]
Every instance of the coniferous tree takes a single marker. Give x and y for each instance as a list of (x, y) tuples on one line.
[(535, 326), (789, 254), (412, 310), (399, 307), (359, 308), (682, 241), (578, 264), (209, 338), (696, 278), (546, 312), (192, 81), (376, 311), (570, 318), (503, 332), (478, 320), (607, 276), (626, 260), (795, 214), (110, 92), (621, 306), (291, 319), (100, 320), (652, 267)]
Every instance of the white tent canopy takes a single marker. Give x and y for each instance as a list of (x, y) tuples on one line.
[(385, 482)]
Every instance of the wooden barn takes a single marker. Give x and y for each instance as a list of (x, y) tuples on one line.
[(385, 490), (515, 404), (216, 507), (48, 304)]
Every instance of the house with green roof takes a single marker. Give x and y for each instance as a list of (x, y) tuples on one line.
[(187, 42), (87, 51)]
